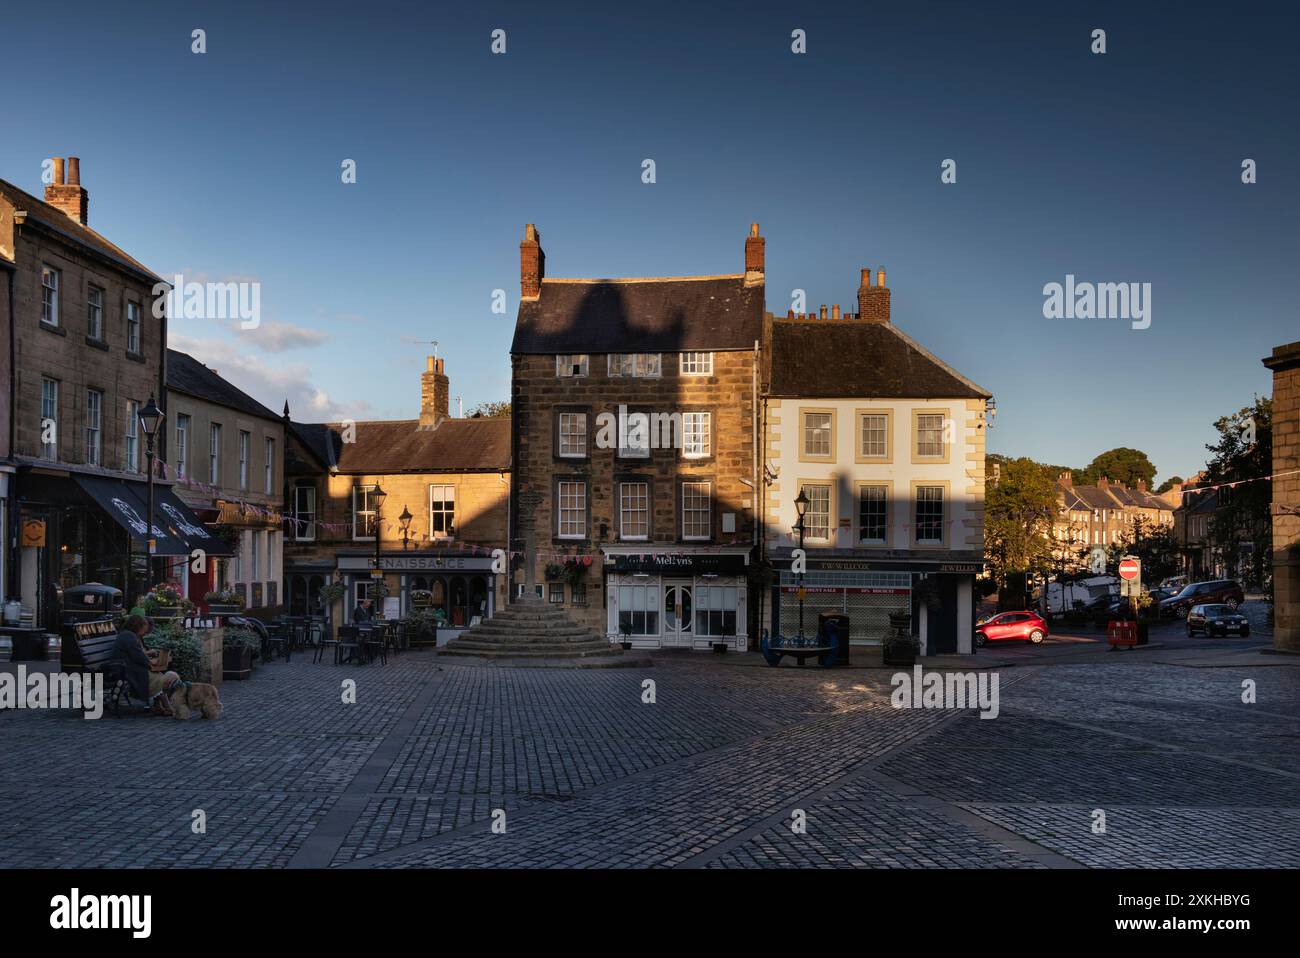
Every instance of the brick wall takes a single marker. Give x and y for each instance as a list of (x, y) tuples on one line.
[(538, 396), (1285, 363)]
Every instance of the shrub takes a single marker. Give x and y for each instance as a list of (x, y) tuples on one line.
[(185, 648), (238, 637)]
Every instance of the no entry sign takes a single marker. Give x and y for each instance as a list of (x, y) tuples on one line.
[(1130, 569)]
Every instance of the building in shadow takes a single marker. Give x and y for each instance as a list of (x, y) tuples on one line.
[(1285, 364)]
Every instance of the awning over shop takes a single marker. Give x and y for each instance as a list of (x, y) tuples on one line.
[(127, 509), (184, 524)]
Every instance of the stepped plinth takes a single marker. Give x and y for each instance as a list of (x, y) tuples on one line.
[(530, 628)]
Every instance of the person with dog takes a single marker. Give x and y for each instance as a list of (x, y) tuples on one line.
[(145, 685)]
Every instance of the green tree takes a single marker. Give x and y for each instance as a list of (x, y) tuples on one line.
[(1169, 484), (1018, 516), (1156, 546), (499, 409), (1121, 465), (1241, 526)]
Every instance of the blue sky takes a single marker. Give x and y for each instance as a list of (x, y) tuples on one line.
[(1123, 167)]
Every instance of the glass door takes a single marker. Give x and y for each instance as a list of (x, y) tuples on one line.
[(678, 613)]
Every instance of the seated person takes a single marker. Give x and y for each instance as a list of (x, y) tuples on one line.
[(361, 614), (145, 685)]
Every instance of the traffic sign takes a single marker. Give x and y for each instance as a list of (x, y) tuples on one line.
[(1130, 569)]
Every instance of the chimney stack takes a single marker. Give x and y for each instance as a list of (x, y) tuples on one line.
[(1066, 479), (70, 197), (435, 393), (873, 301), (532, 264), (755, 257)]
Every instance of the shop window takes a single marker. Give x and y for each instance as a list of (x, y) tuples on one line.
[(715, 610), (638, 609)]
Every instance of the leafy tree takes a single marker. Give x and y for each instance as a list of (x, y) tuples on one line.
[(1156, 546), (1169, 484), (1018, 517), (1121, 465), (499, 409), (1241, 517)]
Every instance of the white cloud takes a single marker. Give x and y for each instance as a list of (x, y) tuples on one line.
[(278, 337), (270, 385)]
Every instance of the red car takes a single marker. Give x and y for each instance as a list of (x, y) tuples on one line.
[(1011, 626)]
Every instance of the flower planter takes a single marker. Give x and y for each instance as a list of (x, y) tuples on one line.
[(166, 615), (236, 663), (900, 654), (224, 608)]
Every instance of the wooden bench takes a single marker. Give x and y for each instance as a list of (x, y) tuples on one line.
[(775, 649), (96, 647)]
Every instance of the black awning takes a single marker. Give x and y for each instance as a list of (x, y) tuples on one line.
[(181, 522), (127, 509)]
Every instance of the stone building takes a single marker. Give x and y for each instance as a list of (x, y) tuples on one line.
[(87, 355), (1095, 517), (886, 443), (1285, 363), (226, 457), (633, 411), (445, 487)]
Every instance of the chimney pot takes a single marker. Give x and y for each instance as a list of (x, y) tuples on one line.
[(880, 276), (58, 170), (68, 197), (866, 277), (822, 314), (428, 366), (74, 171), (835, 311)]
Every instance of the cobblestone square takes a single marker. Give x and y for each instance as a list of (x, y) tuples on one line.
[(435, 757)]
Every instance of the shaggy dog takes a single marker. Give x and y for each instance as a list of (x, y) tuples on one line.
[(190, 698)]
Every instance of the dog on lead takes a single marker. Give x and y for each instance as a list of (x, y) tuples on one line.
[(192, 698)]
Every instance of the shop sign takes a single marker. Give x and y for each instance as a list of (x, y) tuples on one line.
[(668, 563), (33, 536)]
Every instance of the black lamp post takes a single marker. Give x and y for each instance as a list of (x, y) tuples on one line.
[(801, 506), (379, 496), (405, 520), (151, 419)]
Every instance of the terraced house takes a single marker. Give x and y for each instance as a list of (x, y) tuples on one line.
[(882, 445), (87, 354), (636, 470)]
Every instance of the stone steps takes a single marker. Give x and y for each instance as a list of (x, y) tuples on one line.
[(531, 629)]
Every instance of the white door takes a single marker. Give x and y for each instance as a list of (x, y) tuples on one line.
[(679, 613)]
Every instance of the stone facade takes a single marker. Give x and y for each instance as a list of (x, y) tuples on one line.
[(1285, 363)]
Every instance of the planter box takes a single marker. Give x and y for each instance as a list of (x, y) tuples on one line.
[(899, 655), (236, 663), (224, 608), (166, 615)]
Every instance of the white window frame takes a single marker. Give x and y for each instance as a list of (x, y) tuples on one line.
[(565, 363), (270, 465), (358, 513), (809, 531), (95, 312), (634, 365), (449, 525), (133, 328), (807, 432), (943, 513), (863, 452), (639, 506), (131, 447), (182, 445), (921, 430), (214, 453), (94, 427), (575, 490), (561, 436), (691, 511), (697, 435), (50, 411), (304, 520), (245, 440), (884, 502), (50, 283), (696, 364), (643, 601)]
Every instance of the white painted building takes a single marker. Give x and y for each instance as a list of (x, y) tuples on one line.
[(887, 443)]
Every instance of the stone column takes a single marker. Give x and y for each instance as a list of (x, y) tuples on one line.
[(528, 503), (1285, 363)]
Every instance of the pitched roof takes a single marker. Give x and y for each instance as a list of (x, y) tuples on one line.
[(53, 218), (185, 374), (646, 315), (852, 358), (391, 446)]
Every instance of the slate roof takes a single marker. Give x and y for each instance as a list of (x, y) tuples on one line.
[(1094, 497), (640, 315), (391, 446), (55, 219), (185, 374), (853, 358)]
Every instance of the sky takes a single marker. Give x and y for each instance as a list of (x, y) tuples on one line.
[(1117, 167)]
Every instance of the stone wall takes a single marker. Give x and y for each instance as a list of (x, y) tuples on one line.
[(1285, 363)]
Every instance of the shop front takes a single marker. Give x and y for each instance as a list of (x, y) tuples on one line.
[(938, 595), (693, 599), (459, 588)]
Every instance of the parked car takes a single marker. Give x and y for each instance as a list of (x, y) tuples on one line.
[(1216, 591), (1216, 619), (1011, 626), (1175, 583), (1159, 595)]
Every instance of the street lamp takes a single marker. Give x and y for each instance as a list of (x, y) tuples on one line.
[(378, 495), (151, 419), (801, 507), (405, 521)]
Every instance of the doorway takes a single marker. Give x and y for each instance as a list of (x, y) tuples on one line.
[(679, 613)]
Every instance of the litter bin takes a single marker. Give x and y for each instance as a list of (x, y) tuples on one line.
[(835, 624)]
